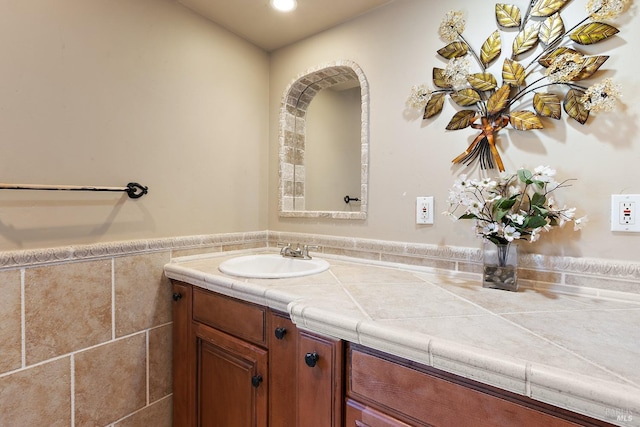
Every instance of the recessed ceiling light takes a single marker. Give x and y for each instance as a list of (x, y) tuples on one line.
[(284, 5)]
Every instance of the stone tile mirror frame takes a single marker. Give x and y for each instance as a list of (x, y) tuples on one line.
[(296, 99)]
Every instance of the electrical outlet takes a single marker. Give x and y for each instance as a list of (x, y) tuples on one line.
[(624, 212), (627, 213), (424, 210)]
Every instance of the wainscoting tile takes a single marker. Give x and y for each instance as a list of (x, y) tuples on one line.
[(38, 396), (142, 293), (158, 414), (67, 308), (10, 332), (160, 362), (110, 381)]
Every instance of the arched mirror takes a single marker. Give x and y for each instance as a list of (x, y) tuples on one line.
[(324, 143)]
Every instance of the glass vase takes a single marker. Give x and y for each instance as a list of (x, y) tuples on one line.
[(500, 266)]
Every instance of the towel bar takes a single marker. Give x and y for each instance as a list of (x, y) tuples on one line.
[(133, 189)]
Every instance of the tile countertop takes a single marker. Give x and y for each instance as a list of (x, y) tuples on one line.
[(575, 352)]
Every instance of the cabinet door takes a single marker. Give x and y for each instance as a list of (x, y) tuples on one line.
[(183, 360), (320, 388), (283, 347), (231, 380)]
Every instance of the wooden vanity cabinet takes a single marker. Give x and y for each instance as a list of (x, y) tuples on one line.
[(238, 364), (242, 365)]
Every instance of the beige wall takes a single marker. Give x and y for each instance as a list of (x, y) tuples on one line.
[(106, 92), (396, 48)]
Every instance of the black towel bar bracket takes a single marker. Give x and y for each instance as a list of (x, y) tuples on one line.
[(133, 189)]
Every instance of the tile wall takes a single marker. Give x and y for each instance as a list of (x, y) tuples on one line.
[(85, 332)]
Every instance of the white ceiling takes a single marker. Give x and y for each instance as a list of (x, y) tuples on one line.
[(255, 21)]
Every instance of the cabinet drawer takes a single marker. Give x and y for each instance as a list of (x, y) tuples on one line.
[(357, 415), (420, 395), (235, 317)]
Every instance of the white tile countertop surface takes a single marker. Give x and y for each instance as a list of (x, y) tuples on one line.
[(575, 352)]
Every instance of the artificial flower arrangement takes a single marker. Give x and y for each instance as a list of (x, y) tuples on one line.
[(513, 206), (489, 106)]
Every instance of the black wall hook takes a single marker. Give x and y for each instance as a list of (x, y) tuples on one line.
[(348, 199)]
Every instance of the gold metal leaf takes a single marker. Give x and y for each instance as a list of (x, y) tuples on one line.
[(513, 73), (544, 8), (461, 120), (525, 120), (526, 39), (593, 32), (590, 66), (499, 100), (574, 107), (482, 81), (547, 59), (552, 29), (434, 106), (508, 15), (466, 97), (439, 80), (454, 50), (547, 105), (491, 48)]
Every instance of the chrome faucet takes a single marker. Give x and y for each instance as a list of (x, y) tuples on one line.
[(287, 251)]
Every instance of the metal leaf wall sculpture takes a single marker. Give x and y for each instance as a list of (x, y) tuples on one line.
[(489, 105)]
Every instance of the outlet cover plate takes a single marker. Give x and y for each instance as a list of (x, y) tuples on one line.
[(424, 210), (625, 212)]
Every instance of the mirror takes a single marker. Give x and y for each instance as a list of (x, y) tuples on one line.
[(324, 143)]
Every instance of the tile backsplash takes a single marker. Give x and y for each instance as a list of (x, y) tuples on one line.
[(85, 338)]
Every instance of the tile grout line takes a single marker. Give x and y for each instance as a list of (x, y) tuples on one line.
[(351, 297), (73, 390), (113, 299), (527, 379), (23, 321), (147, 366)]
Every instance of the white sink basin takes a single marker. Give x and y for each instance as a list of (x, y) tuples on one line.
[(272, 266)]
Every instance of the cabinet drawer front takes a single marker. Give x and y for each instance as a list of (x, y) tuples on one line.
[(357, 415), (235, 317), (419, 397)]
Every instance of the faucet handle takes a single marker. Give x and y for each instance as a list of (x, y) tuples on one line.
[(284, 246), (305, 250)]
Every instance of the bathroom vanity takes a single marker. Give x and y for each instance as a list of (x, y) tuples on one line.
[(364, 344), (242, 364)]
